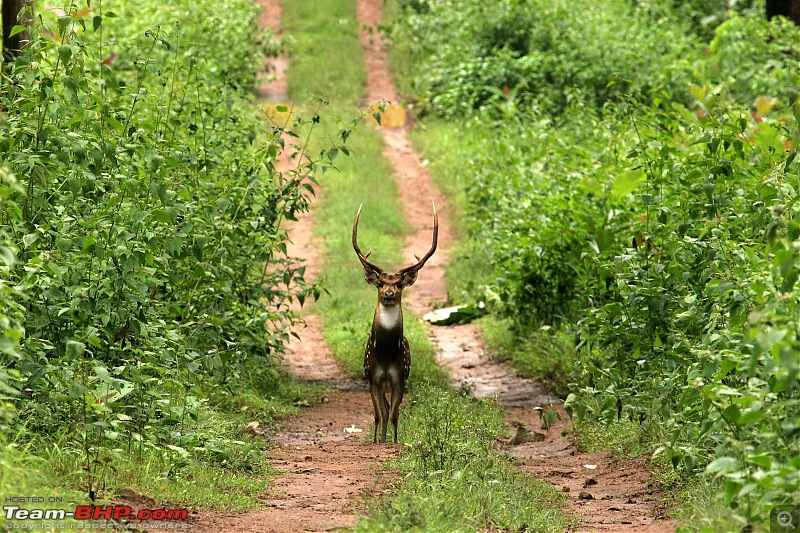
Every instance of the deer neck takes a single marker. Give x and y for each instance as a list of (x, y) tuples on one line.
[(387, 325)]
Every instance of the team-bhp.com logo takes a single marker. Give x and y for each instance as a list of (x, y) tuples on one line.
[(51, 519), (94, 512)]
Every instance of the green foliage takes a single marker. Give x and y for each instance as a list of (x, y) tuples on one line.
[(751, 57), (452, 480), (12, 312), (511, 55), (700, 17), (469, 54), (216, 465), (680, 228), (659, 225), (145, 244), (681, 338)]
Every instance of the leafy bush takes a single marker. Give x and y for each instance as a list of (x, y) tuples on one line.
[(680, 226), (751, 57), (701, 17), (151, 263), (681, 339), (471, 53), (11, 310), (663, 229)]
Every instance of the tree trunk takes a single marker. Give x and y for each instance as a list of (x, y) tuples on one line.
[(787, 8), (12, 46)]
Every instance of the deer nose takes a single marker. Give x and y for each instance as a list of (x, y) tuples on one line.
[(389, 294)]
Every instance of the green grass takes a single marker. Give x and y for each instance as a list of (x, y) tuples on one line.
[(698, 507), (325, 57), (623, 438), (452, 480), (22, 473), (211, 462), (227, 470)]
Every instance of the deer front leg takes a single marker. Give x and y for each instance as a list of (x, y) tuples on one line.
[(376, 410), (398, 390), (381, 407)]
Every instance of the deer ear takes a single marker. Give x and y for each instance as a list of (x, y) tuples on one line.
[(409, 278), (371, 277)]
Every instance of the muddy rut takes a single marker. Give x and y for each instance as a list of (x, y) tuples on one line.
[(329, 469)]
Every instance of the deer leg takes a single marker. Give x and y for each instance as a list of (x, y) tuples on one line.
[(384, 416), (398, 390), (374, 394)]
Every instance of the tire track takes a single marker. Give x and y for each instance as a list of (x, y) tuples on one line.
[(325, 474), (615, 495), (460, 348)]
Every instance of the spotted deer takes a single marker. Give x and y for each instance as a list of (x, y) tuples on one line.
[(387, 357)]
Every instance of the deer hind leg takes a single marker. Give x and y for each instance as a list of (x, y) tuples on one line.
[(398, 390)]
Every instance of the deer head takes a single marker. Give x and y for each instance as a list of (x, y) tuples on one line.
[(390, 286)]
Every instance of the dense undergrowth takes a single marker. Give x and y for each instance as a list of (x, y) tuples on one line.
[(628, 182), (145, 285)]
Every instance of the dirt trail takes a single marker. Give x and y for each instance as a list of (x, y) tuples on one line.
[(609, 495), (273, 85), (327, 472)]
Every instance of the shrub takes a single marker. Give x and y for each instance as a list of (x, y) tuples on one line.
[(680, 340), (473, 53), (751, 57), (151, 263), (660, 224)]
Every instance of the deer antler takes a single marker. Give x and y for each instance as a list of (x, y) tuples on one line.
[(421, 262), (362, 257)]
